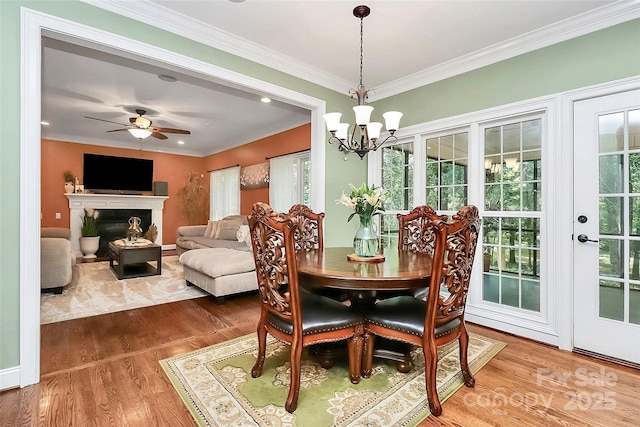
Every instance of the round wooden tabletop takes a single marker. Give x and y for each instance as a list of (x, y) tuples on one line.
[(330, 268)]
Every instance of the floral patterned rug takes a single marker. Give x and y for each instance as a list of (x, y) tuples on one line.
[(215, 384), (94, 289)]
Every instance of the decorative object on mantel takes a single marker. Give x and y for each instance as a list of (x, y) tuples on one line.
[(192, 199), (134, 231), (152, 233), (90, 241), (368, 138), (365, 202), (69, 186), (254, 176)]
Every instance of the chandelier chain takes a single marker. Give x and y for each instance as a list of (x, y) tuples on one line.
[(361, 48)]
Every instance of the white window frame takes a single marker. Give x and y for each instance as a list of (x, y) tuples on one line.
[(541, 326)]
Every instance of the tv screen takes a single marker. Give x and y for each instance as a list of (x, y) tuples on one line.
[(110, 174)]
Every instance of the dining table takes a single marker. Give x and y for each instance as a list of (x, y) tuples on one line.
[(391, 273)]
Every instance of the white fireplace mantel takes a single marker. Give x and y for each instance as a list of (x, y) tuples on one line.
[(79, 202)]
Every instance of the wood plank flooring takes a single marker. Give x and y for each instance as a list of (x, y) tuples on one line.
[(104, 371)]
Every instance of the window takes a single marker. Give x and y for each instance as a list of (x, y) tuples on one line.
[(511, 227), (225, 193), (447, 176), (398, 180), (289, 181)]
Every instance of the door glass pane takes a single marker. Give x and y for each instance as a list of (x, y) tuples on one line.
[(611, 215), (634, 130), (634, 260), (634, 303), (608, 127), (634, 171), (634, 216), (611, 174), (611, 300), (611, 258)]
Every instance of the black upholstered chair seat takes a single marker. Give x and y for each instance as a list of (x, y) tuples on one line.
[(406, 314), (319, 314)]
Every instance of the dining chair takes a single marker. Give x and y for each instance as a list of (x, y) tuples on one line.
[(440, 319), (309, 234), (415, 235), (300, 319), (414, 231)]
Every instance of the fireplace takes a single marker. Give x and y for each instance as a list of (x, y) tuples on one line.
[(115, 211), (113, 225)]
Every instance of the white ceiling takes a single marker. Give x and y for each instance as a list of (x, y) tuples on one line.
[(406, 44)]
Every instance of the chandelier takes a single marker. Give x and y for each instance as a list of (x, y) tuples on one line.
[(363, 136)]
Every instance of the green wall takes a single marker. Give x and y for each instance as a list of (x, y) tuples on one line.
[(10, 132), (602, 56)]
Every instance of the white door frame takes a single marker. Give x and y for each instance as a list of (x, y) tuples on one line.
[(565, 209), (33, 23)]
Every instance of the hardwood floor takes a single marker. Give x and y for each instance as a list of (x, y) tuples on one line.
[(104, 371)]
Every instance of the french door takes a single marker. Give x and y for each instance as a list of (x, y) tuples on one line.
[(607, 225)]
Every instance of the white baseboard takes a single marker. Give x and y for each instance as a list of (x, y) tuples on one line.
[(9, 378), (168, 247)]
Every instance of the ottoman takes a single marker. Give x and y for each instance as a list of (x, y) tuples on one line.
[(220, 271)]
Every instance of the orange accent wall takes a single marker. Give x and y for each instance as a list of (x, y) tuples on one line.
[(291, 141), (58, 156)]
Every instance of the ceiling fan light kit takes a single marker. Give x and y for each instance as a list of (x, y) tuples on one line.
[(140, 127), (140, 133), (368, 138)]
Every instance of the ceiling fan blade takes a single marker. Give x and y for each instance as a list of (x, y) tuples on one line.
[(116, 130), (103, 120), (171, 130), (158, 135)]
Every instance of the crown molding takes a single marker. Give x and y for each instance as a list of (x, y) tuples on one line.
[(588, 22), (158, 16), (153, 14)]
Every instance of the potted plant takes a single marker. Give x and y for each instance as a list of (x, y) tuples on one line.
[(192, 199), (90, 241), (69, 186)]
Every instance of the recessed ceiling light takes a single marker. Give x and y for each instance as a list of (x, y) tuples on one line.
[(236, 1), (167, 78), (43, 123), (266, 100), (181, 142)]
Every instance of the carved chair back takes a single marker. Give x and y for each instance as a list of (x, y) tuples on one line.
[(309, 234), (272, 238), (415, 231), (454, 252)]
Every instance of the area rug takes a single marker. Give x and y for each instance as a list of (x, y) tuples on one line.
[(94, 289), (215, 384)]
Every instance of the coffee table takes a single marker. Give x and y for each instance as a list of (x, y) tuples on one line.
[(133, 261)]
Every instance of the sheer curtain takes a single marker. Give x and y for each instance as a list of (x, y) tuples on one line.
[(225, 193), (283, 182)]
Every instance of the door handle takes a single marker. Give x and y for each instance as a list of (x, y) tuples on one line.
[(583, 238)]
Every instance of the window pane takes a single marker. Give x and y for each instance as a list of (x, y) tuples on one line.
[(531, 166), (511, 197), (446, 169), (611, 215), (531, 134), (608, 126), (634, 216), (491, 288), (634, 259), (634, 304), (611, 300), (511, 137), (530, 233), (634, 130), (397, 175), (634, 170), (611, 258), (611, 174), (492, 197), (531, 295)]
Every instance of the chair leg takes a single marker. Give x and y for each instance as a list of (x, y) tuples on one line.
[(367, 355), (430, 371), (256, 371), (294, 387), (355, 345), (463, 345)]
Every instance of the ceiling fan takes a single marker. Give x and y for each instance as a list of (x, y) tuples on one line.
[(140, 127)]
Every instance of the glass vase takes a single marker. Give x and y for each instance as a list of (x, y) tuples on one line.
[(365, 242)]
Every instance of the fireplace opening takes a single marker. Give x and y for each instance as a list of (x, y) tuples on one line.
[(113, 225)]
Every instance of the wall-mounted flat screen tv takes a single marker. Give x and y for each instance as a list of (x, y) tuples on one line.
[(119, 175)]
